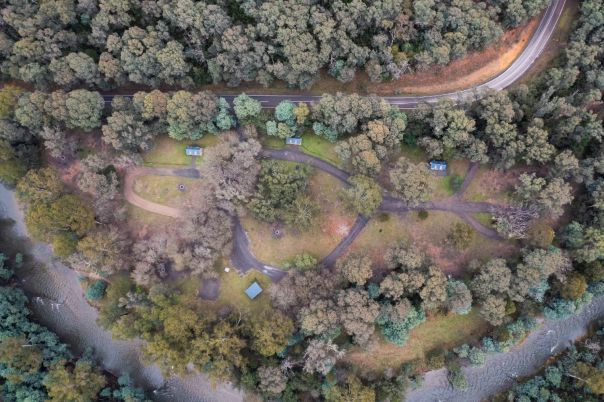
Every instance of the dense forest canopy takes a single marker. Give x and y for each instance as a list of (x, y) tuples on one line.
[(107, 43)]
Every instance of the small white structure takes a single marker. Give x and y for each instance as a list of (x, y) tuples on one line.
[(293, 141), (193, 151), (227, 269)]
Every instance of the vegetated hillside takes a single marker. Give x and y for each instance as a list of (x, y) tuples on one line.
[(111, 43)]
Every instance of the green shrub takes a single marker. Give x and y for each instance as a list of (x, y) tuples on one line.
[(456, 377), (96, 291), (5, 271), (423, 214), (111, 310), (435, 359), (460, 236), (384, 217), (540, 234), (456, 183), (64, 244), (302, 262)]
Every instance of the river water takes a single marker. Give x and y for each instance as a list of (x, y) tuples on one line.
[(58, 302)]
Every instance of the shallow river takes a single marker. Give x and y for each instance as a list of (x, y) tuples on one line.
[(58, 302)]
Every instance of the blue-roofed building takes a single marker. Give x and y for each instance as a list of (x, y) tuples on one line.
[(253, 291), (293, 141), (439, 167), (193, 151)]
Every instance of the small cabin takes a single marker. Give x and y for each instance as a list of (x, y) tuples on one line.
[(193, 151), (253, 291), (293, 141), (440, 167)]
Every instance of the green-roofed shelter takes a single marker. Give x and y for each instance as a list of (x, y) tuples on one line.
[(253, 291)]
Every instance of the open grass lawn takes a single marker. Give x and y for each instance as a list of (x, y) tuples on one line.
[(443, 186), (415, 154), (431, 236), (268, 141), (170, 152), (232, 291), (163, 189), (331, 226), (381, 233), (321, 148), (493, 185), (485, 218), (140, 221), (442, 331)]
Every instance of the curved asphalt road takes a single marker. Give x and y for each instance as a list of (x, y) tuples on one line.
[(519, 67), (242, 257)]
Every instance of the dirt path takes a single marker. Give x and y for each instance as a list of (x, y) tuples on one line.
[(151, 206), (241, 256), (470, 175)]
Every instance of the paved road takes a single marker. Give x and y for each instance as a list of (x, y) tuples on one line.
[(341, 248), (243, 259), (295, 155), (519, 67)]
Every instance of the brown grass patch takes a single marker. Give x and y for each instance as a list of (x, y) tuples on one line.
[(379, 235), (495, 186), (474, 69), (431, 236), (142, 223)]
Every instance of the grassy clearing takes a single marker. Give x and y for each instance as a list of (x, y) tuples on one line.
[(163, 189), (170, 152), (140, 220), (442, 331), (381, 233), (485, 218), (268, 141), (330, 228), (444, 184), (431, 235), (232, 291), (495, 186), (321, 148), (415, 154)]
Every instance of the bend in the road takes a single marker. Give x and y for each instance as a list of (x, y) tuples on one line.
[(517, 69)]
